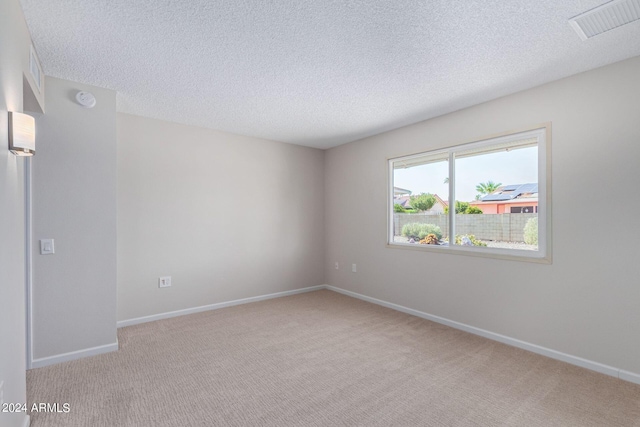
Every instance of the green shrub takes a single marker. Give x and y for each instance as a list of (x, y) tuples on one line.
[(531, 231), (418, 230), (398, 208), (461, 208), (473, 210), (422, 202)]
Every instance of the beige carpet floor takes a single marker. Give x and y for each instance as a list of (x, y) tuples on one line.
[(322, 359)]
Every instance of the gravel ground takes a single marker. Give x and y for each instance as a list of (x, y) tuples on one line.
[(490, 244)]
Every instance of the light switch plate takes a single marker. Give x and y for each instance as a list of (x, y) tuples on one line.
[(164, 281), (47, 247)]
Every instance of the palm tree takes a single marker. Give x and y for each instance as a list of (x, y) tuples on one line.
[(487, 187)]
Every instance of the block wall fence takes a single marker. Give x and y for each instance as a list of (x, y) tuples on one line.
[(506, 227)]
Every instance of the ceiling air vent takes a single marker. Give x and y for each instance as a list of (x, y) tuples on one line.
[(606, 17)]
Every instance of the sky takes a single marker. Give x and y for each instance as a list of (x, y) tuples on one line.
[(506, 167)]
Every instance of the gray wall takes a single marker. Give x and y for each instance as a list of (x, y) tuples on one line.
[(226, 216), (586, 302), (14, 60), (74, 202)]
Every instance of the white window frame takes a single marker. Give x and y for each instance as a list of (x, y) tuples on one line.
[(543, 255)]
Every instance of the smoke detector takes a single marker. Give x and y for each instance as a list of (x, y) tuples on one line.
[(606, 17), (86, 99)]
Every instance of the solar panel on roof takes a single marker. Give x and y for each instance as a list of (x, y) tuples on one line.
[(528, 188), (497, 197), (514, 190)]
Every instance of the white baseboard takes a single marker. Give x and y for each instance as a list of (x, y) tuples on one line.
[(574, 360), (215, 306), (27, 421), (629, 376), (73, 355)]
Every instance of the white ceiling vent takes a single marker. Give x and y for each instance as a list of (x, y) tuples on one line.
[(606, 17)]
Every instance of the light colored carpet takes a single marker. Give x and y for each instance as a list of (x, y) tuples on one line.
[(323, 359)]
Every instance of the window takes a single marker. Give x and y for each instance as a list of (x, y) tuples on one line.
[(524, 209), (486, 198)]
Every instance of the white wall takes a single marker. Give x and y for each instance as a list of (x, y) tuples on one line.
[(226, 216), (74, 202), (14, 57), (585, 303)]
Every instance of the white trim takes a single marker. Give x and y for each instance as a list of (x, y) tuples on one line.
[(495, 253), (553, 354), (73, 355), (27, 421), (452, 196), (629, 376), (28, 235), (390, 197), (215, 306)]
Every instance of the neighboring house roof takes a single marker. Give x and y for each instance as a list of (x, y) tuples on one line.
[(402, 201), (398, 190), (444, 203), (511, 192)]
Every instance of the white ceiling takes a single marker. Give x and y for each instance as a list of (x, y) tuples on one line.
[(318, 73)]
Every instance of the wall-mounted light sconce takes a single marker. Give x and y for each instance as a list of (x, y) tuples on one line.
[(22, 134)]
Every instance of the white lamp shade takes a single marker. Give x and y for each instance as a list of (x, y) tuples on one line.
[(22, 134)]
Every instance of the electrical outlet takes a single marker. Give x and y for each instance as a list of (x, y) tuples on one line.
[(337, 265), (164, 281), (353, 268)]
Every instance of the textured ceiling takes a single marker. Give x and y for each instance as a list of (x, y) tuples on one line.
[(317, 73)]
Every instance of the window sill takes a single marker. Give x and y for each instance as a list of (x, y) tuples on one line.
[(495, 253)]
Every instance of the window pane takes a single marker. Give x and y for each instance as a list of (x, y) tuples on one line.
[(497, 198), (419, 199)]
